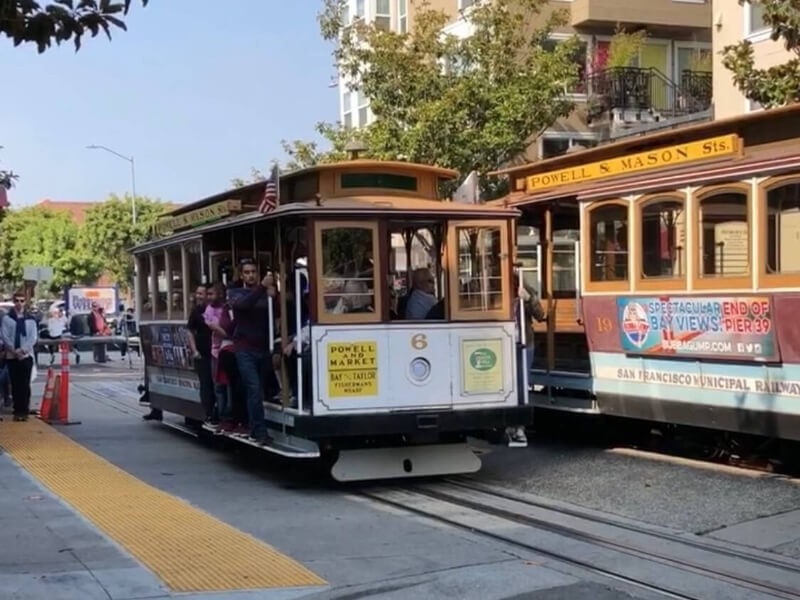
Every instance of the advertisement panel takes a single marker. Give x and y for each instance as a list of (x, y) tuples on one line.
[(482, 366), (724, 327), (170, 371), (79, 300)]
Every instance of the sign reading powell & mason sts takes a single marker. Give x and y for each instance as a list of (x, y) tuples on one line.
[(668, 156)]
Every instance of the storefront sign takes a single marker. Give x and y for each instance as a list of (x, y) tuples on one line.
[(197, 217), (352, 369), (716, 327), (669, 156), (80, 300), (482, 366)]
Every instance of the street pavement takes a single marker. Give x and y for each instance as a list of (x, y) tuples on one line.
[(363, 550)]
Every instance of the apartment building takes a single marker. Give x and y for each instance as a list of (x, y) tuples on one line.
[(731, 24), (388, 14), (669, 81)]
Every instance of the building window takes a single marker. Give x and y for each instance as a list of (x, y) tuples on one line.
[(360, 11), (663, 239), (609, 242), (754, 18), (724, 235), (556, 144), (347, 109), (464, 4), (402, 16), (383, 15), (580, 57), (362, 103), (783, 229)]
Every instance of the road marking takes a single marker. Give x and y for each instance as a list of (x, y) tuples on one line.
[(188, 549)]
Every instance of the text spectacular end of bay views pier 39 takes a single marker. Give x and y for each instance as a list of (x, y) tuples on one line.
[(670, 267)]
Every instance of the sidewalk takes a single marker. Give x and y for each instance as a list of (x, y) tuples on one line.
[(48, 551)]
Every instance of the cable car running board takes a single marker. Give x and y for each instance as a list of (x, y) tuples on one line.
[(409, 461), (280, 444)]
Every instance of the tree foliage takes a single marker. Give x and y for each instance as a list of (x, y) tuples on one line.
[(78, 253), (37, 236), (467, 104), (109, 232), (27, 21), (778, 85)]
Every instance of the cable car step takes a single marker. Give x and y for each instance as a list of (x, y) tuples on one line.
[(278, 443)]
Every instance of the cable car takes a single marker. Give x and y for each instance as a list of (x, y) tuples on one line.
[(406, 317)]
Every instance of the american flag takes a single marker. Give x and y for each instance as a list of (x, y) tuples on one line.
[(271, 192)]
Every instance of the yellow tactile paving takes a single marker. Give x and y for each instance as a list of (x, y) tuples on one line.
[(188, 549)]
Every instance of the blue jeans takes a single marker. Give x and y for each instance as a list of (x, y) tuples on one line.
[(250, 365)]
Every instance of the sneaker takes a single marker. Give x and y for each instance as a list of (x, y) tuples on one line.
[(516, 437), (226, 426), (153, 415), (240, 430)]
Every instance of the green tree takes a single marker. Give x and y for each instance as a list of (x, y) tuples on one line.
[(467, 104), (109, 232), (778, 85), (37, 236), (40, 23)]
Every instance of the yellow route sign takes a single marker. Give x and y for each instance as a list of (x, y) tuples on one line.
[(352, 369)]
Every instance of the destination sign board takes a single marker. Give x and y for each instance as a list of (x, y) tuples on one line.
[(668, 156), (197, 217)]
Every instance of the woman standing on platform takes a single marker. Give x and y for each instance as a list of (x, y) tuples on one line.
[(19, 334)]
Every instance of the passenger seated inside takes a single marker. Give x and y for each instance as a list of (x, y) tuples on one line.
[(421, 298)]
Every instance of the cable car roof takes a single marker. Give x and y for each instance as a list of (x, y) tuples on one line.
[(356, 206)]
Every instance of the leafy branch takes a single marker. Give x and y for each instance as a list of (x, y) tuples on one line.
[(27, 21)]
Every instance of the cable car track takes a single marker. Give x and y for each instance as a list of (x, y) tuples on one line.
[(667, 564)]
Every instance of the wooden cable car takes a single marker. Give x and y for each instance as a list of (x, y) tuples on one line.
[(406, 300)]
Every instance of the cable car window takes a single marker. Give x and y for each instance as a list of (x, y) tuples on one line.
[(161, 285), (176, 299), (724, 235), (379, 180), (194, 264), (783, 229), (480, 279), (348, 275), (663, 239), (145, 299), (609, 243)]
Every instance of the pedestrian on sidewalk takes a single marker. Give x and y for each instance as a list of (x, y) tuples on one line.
[(19, 333)]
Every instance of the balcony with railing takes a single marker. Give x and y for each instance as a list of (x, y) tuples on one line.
[(647, 89)]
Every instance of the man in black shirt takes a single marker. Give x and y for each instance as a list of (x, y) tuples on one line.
[(200, 347)]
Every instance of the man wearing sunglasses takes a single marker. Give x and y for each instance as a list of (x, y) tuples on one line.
[(19, 334)]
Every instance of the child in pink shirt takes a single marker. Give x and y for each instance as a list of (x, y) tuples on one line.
[(218, 320)]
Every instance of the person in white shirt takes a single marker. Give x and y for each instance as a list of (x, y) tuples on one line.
[(19, 334), (55, 326)]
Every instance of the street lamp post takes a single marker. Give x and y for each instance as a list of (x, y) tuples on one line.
[(133, 174)]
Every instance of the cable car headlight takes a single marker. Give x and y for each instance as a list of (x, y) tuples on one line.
[(420, 369)]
